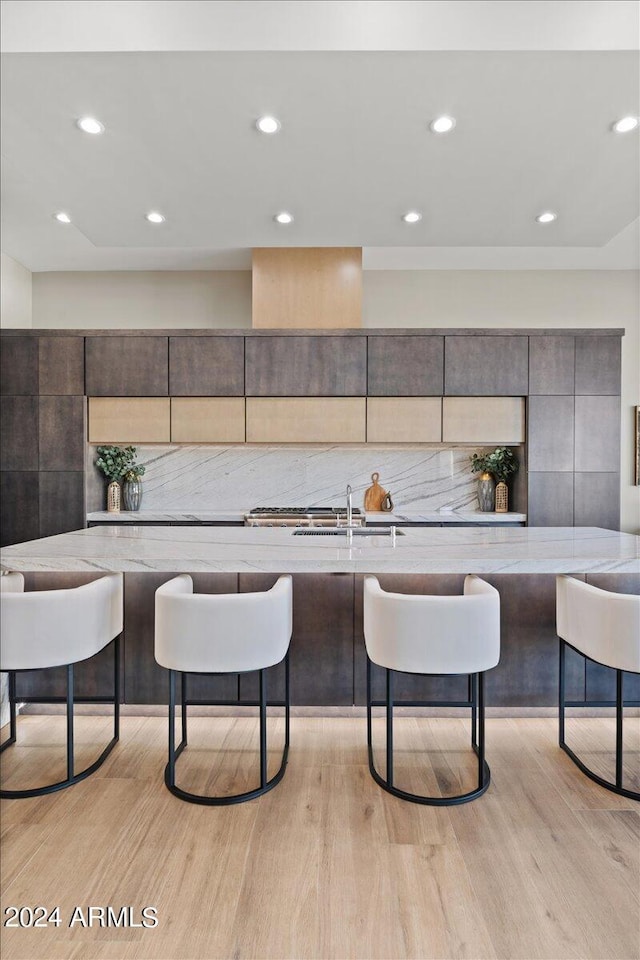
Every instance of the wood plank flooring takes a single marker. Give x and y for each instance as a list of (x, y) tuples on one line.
[(545, 865)]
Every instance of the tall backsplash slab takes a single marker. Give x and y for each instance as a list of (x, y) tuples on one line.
[(207, 477)]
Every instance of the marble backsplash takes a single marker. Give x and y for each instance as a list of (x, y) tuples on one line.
[(207, 477)]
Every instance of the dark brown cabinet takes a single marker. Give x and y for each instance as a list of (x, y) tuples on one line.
[(306, 366), (19, 506), (19, 433), (62, 503), (18, 366), (61, 366), (127, 366), (405, 366), (62, 433), (486, 366), (206, 366)]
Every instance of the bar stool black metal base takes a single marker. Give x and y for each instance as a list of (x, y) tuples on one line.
[(71, 777), (616, 787), (475, 702), (174, 752)]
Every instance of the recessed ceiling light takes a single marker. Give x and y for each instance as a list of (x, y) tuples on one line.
[(547, 217), (154, 217), (90, 125), (63, 217), (268, 124), (283, 217), (412, 216), (442, 124), (625, 124)]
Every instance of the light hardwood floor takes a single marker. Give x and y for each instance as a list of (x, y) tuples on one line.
[(327, 865)]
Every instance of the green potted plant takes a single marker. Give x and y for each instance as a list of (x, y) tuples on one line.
[(495, 468), (115, 462)]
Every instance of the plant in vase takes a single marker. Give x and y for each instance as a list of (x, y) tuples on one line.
[(115, 462), (495, 468)]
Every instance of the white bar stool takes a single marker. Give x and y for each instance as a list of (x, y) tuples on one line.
[(53, 628), (603, 627), (432, 635), (223, 633)]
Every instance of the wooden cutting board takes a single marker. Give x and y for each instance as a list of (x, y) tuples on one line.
[(375, 495)]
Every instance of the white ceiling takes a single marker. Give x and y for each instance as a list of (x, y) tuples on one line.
[(354, 152)]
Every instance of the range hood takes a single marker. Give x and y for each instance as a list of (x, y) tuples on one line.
[(307, 287)]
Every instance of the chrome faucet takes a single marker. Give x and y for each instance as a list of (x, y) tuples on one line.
[(349, 506)]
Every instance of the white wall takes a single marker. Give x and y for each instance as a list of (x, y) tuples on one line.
[(392, 298), (15, 293), (142, 299)]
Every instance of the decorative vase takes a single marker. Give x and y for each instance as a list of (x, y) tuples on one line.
[(502, 497), (113, 497), (486, 492), (132, 494)]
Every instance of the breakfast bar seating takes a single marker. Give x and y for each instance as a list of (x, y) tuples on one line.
[(225, 633), (436, 636), (50, 628)]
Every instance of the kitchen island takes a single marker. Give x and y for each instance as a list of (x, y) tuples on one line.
[(327, 650)]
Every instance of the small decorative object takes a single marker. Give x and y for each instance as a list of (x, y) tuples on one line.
[(496, 466), (387, 503), (132, 489), (116, 463), (113, 497), (374, 496)]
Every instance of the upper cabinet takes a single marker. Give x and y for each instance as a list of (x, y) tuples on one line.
[(405, 366), (19, 366), (127, 366), (61, 366), (206, 366), (486, 366), (598, 364), (306, 366), (551, 366)]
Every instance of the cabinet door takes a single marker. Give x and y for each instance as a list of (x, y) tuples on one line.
[(551, 365), (551, 433), (19, 433), (127, 366), (134, 420), (206, 366), (19, 506), (306, 420), (598, 365), (405, 366), (404, 420), (62, 432), (597, 434), (62, 503), (306, 366), (18, 366), (486, 366), (61, 365), (482, 420), (207, 420), (321, 654)]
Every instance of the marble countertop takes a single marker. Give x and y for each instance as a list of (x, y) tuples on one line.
[(236, 516), (251, 549)]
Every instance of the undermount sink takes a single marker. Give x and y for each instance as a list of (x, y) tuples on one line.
[(341, 532)]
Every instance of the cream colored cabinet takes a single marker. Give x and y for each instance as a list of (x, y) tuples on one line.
[(306, 419), (129, 420), (483, 420), (207, 420), (404, 419)]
